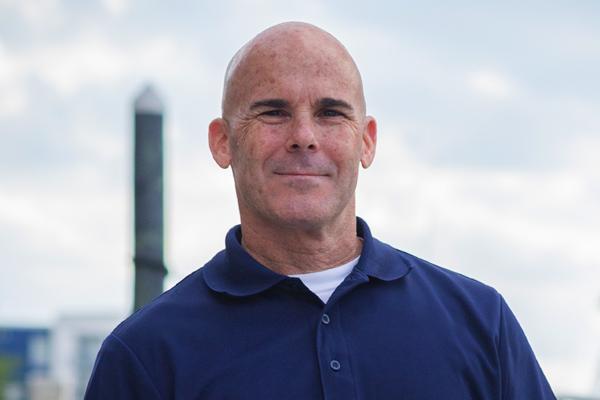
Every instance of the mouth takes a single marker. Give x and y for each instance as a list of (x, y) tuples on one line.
[(299, 174)]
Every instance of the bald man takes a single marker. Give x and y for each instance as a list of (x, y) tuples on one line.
[(304, 303)]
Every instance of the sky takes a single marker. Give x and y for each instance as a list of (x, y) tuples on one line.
[(486, 162)]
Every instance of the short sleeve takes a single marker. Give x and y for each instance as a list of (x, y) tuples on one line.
[(118, 374), (522, 377)]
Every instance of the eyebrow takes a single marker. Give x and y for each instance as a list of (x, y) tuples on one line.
[(330, 102), (281, 103), (271, 103)]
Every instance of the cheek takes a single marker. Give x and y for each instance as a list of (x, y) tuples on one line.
[(343, 149), (254, 147), (261, 149)]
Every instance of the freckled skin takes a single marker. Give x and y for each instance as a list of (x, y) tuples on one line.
[(295, 165)]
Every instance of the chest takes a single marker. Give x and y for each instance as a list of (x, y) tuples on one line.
[(361, 347)]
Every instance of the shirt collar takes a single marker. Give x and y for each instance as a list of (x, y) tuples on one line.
[(235, 272), (380, 260)]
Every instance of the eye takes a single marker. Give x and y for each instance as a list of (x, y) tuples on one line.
[(329, 112), (273, 116), (274, 113)]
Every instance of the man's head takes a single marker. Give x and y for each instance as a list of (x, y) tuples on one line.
[(294, 128)]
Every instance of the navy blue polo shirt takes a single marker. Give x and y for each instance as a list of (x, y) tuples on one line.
[(398, 327)]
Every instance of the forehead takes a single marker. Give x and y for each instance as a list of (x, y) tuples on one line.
[(297, 77), (305, 64)]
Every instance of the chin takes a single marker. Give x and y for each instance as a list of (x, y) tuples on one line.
[(304, 215)]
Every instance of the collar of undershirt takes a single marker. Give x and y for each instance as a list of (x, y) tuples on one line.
[(335, 273)]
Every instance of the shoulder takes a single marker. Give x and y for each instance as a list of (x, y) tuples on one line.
[(147, 348), (450, 290), (448, 279), (433, 273), (170, 312)]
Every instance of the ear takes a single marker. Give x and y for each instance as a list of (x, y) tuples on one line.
[(218, 141), (369, 142)]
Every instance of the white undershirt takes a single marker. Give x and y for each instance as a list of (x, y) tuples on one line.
[(323, 283)]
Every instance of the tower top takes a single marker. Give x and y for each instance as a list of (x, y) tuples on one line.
[(148, 102)]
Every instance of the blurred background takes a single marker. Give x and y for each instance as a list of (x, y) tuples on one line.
[(487, 162)]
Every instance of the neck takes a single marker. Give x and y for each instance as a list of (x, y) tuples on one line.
[(292, 250)]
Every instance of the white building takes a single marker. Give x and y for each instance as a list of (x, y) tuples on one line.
[(75, 341)]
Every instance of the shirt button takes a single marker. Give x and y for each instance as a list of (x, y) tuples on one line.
[(335, 365), (325, 319)]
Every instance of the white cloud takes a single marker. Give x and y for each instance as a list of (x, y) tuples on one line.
[(66, 242), (491, 84), (87, 59), (116, 7), (531, 208), (582, 155), (40, 15), (13, 100), (93, 59), (13, 97), (269, 12)]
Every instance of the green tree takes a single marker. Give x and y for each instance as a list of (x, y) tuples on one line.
[(7, 366)]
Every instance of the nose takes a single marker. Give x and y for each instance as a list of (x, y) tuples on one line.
[(302, 136)]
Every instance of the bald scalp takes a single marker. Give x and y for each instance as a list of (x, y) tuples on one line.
[(294, 45)]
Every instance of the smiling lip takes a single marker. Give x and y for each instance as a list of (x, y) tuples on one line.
[(299, 174)]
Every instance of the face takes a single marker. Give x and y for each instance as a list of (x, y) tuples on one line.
[(295, 136)]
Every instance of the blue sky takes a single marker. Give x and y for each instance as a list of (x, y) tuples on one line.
[(487, 161)]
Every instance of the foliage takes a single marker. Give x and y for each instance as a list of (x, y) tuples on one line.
[(7, 366)]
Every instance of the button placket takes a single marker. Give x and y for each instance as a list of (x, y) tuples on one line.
[(335, 369)]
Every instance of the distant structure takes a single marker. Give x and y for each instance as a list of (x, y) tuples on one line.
[(148, 197), (54, 362), (74, 344), (24, 359)]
